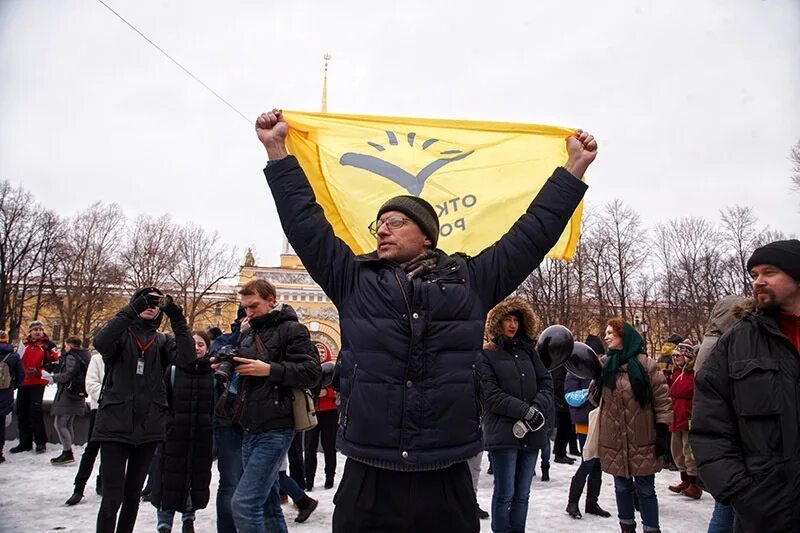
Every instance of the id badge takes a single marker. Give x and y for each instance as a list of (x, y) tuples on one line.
[(140, 367)]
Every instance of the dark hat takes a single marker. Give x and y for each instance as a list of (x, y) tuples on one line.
[(3, 336), (35, 324), (595, 343), (782, 254), (214, 332), (674, 339), (417, 210)]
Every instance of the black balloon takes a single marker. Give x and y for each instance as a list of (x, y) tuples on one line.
[(328, 369), (555, 345), (583, 362)]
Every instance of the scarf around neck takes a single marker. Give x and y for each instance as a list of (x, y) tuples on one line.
[(632, 346)]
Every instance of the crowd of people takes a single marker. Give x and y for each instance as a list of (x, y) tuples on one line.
[(423, 332)]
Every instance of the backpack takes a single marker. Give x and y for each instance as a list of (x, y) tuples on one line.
[(5, 374), (77, 385)]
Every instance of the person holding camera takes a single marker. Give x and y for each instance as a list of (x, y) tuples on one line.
[(517, 391), (274, 354), (131, 418)]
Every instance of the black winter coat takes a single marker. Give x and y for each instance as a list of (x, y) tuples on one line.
[(184, 462), (408, 397), (71, 365), (572, 383), (133, 408), (17, 376), (513, 378), (265, 403), (746, 425)]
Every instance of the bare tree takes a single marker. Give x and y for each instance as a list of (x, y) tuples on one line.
[(88, 272), (202, 263), (794, 155), (739, 235), (149, 254), (25, 230)]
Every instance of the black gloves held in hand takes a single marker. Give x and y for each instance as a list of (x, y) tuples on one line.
[(535, 418), (171, 308), (662, 439)]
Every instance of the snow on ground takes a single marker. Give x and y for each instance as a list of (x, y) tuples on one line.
[(32, 495)]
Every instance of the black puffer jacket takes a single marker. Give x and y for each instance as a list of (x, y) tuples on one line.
[(133, 408), (746, 425), (184, 463), (408, 399), (512, 378), (266, 403)]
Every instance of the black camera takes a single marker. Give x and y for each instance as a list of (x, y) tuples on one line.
[(224, 357)]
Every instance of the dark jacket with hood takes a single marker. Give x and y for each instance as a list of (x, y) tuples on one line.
[(72, 364), (512, 378), (184, 459), (17, 377), (133, 408), (265, 403), (408, 398), (578, 415), (746, 424)]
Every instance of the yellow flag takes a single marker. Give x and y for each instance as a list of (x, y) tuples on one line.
[(479, 176)]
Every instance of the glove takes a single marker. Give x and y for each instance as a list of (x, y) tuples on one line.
[(171, 309), (534, 418), (143, 302), (662, 439)]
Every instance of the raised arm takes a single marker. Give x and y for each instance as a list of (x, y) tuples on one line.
[(326, 257), (499, 269), (179, 350)]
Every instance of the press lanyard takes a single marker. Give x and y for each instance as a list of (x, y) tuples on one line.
[(142, 350)]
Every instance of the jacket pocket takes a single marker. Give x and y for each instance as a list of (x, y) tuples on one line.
[(115, 416), (756, 387)]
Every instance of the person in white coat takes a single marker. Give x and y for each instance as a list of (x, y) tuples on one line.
[(94, 384)]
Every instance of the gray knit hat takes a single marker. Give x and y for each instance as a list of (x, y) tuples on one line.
[(35, 324), (782, 254), (417, 210)]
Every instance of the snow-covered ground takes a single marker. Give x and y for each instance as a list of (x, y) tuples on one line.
[(32, 495)]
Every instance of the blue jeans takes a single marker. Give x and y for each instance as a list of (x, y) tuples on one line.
[(262, 454), (648, 503), (290, 487), (721, 519), (513, 474), (228, 443), (165, 518)]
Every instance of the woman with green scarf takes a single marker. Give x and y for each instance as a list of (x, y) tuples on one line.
[(635, 414)]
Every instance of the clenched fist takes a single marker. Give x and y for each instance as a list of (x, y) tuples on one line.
[(581, 150), (271, 129)]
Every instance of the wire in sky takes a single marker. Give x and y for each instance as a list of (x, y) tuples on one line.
[(195, 78)]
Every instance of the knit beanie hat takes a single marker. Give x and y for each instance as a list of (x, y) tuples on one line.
[(686, 349), (417, 210), (35, 324), (782, 254)]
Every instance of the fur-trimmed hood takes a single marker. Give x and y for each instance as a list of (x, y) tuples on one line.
[(516, 305)]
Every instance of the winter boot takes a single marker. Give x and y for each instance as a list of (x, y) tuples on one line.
[(41, 448), (306, 506), (483, 515), (564, 460), (575, 490), (627, 528), (328, 482), (66, 458), (76, 497), (188, 526), (19, 448), (692, 490), (680, 487), (545, 472), (592, 493)]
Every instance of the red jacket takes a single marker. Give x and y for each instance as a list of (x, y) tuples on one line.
[(33, 358), (327, 398), (681, 391)]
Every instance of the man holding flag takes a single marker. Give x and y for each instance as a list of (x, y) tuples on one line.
[(412, 320)]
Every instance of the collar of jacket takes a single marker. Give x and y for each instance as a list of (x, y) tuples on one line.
[(769, 323), (279, 313), (444, 265)]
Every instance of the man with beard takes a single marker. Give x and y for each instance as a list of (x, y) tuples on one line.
[(131, 419), (745, 432)]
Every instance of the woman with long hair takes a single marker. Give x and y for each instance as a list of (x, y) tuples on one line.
[(635, 413), (517, 390)]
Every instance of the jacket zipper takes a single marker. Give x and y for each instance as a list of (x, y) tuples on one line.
[(349, 399), (408, 355)]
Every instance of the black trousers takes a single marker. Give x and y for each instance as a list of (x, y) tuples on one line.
[(29, 416), (88, 458), (124, 469), (296, 463), (375, 500), (327, 424), (565, 434)]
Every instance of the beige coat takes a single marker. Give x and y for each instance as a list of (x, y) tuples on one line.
[(628, 432)]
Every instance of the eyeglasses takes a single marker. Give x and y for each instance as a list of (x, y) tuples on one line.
[(395, 222)]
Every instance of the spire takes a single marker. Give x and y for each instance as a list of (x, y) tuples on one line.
[(326, 57)]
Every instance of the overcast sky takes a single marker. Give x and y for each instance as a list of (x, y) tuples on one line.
[(695, 104)]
